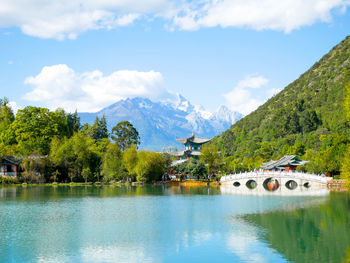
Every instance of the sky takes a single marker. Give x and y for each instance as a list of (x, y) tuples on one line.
[(86, 55)]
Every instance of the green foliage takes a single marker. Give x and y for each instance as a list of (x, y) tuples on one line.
[(86, 173), (124, 134), (33, 168), (6, 118), (55, 147), (98, 130), (150, 166), (72, 155), (345, 169), (196, 168), (306, 119), (34, 128), (112, 166), (210, 156), (73, 123), (320, 233), (130, 159)]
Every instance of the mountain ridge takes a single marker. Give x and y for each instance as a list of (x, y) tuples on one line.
[(160, 123), (306, 118)]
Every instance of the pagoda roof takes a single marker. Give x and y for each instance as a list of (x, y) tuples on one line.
[(193, 139), (287, 160), (178, 153), (182, 153), (9, 160), (178, 162)]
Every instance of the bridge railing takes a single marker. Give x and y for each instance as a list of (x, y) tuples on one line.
[(296, 175)]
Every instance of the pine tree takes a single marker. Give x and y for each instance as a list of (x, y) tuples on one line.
[(102, 128)]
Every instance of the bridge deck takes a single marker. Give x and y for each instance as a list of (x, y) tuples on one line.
[(267, 174)]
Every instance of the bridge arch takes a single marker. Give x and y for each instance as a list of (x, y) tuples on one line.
[(251, 184), (307, 185), (259, 181), (271, 184), (236, 184), (291, 184)]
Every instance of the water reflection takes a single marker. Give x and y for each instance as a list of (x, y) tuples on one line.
[(143, 224), (277, 191), (318, 233)]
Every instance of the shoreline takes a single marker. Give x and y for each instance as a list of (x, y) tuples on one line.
[(336, 185)]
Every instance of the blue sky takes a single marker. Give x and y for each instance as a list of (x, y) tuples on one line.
[(87, 55)]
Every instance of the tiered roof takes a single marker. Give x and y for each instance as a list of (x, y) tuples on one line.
[(9, 160), (193, 139), (288, 160)]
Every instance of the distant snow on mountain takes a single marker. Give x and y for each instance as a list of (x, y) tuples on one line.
[(160, 123)]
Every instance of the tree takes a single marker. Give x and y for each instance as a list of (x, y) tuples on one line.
[(102, 128), (124, 134), (6, 118), (196, 168), (86, 173), (72, 155), (73, 123), (32, 168), (345, 168), (309, 121), (142, 167), (112, 168), (130, 160), (35, 127), (265, 151), (210, 156), (55, 174), (150, 166)]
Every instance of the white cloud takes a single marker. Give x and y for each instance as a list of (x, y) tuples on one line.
[(248, 94), (60, 86), (286, 15), (125, 253), (69, 18), (253, 82), (13, 105)]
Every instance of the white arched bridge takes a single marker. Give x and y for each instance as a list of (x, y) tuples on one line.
[(271, 181)]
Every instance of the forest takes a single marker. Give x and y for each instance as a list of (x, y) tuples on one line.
[(53, 146), (308, 118)]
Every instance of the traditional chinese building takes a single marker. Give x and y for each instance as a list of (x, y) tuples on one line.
[(286, 163), (192, 147), (9, 167)]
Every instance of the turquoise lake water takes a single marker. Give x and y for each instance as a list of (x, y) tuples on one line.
[(170, 224)]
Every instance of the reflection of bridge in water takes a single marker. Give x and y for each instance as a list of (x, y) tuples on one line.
[(284, 183)]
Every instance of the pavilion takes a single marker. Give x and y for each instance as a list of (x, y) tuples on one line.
[(192, 148), (287, 163), (9, 166)]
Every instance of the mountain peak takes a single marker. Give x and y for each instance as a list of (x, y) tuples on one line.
[(223, 113), (160, 123), (183, 104)]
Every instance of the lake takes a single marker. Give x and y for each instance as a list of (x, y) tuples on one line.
[(170, 224)]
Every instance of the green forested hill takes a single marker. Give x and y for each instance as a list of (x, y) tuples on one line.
[(306, 118)]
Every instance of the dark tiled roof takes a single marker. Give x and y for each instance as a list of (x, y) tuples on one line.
[(193, 139), (11, 160), (283, 162)]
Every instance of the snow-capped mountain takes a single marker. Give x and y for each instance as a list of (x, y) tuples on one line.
[(222, 117), (160, 123)]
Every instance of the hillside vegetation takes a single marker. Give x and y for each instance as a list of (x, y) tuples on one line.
[(306, 118)]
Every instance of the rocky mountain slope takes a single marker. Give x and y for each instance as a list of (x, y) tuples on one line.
[(306, 118), (160, 123)]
